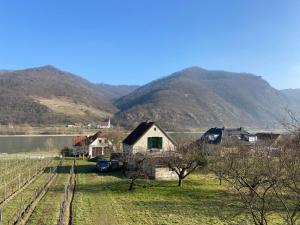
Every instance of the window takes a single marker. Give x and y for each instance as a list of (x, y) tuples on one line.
[(155, 142)]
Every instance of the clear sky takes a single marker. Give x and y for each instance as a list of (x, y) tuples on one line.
[(136, 41)]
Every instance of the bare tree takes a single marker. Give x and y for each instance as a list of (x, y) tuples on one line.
[(137, 166), (265, 175), (288, 190), (252, 173), (187, 158), (116, 136)]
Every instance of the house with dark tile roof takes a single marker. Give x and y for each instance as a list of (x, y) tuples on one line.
[(148, 137)]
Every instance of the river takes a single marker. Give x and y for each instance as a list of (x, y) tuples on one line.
[(27, 143)]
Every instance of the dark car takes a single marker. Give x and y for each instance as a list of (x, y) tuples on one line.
[(103, 165), (116, 165)]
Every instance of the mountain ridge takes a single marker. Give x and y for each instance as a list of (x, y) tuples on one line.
[(25, 96), (195, 97), (191, 98)]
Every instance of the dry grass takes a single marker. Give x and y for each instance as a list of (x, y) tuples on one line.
[(67, 106)]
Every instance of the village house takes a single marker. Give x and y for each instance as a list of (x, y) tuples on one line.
[(221, 135), (150, 139), (91, 146)]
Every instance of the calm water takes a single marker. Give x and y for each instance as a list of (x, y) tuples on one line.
[(14, 144)]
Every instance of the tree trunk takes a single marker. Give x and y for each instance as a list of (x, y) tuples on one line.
[(132, 184), (179, 182)]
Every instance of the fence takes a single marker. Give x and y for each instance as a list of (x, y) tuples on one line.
[(16, 178), (23, 207), (66, 204)]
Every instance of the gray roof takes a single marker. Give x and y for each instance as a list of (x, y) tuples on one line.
[(217, 135)]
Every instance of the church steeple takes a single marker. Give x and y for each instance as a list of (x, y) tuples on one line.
[(108, 123)]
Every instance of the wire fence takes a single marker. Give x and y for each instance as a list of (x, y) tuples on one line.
[(65, 212), (18, 177), (24, 205)]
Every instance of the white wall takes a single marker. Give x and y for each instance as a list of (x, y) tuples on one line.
[(96, 143), (154, 131), (164, 173)]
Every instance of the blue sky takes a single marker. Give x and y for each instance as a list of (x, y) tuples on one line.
[(136, 41)]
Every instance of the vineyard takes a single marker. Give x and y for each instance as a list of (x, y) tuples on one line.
[(31, 188)]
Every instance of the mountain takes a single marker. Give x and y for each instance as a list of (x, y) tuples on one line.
[(116, 91), (5, 71), (292, 94), (195, 97), (47, 95), (187, 99)]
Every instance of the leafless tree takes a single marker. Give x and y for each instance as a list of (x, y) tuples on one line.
[(186, 159), (252, 173), (116, 136), (137, 166), (288, 190), (265, 175)]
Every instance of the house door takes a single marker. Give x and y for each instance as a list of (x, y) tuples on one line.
[(97, 151)]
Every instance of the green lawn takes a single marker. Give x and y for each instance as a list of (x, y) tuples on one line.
[(105, 199), (11, 208), (50, 204)]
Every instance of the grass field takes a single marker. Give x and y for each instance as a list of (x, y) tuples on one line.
[(12, 206), (50, 204), (105, 199)]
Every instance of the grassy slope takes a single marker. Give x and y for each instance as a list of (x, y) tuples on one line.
[(104, 199), (68, 107), (50, 204)]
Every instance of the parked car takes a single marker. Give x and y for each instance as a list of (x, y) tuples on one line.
[(116, 165), (103, 165)]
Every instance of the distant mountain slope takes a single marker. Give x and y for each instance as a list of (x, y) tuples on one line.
[(48, 95), (117, 91), (294, 97), (5, 71), (196, 97), (292, 94)]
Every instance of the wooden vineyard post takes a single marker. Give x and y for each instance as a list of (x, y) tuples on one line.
[(5, 193), (19, 181), (0, 216)]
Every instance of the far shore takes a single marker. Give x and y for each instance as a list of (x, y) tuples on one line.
[(28, 131)]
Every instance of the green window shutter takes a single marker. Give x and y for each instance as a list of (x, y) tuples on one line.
[(160, 142), (149, 142)]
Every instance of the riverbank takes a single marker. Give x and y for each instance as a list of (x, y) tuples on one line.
[(44, 130)]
